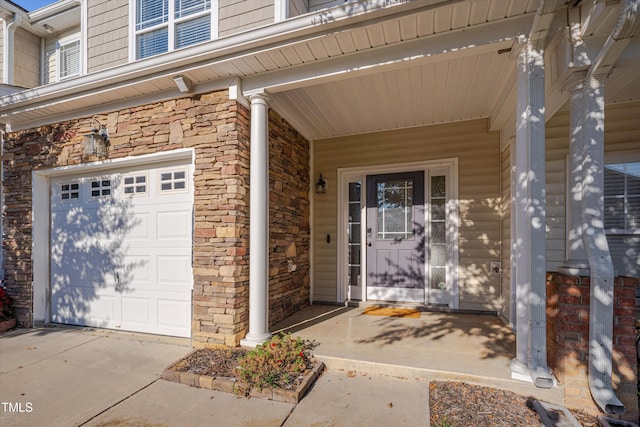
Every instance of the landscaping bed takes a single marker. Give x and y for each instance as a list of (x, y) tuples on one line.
[(282, 369), (461, 404)]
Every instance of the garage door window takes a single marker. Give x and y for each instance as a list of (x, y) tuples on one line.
[(101, 188), (70, 191), (171, 181), (135, 184)]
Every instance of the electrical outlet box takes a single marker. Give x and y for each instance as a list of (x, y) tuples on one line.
[(496, 267)]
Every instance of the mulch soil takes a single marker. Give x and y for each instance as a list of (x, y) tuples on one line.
[(214, 362), (461, 404), (221, 363)]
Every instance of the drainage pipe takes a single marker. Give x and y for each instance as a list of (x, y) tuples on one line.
[(597, 248), (537, 320), (8, 52)]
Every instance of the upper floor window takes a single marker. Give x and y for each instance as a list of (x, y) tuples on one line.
[(622, 198), (68, 59), (164, 25)]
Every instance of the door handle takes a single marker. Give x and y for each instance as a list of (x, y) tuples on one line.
[(368, 243)]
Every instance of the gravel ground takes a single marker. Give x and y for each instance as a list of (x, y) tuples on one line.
[(461, 404)]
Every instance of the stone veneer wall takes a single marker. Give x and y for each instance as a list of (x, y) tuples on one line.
[(218, 130), (568, 340), (289, 213)]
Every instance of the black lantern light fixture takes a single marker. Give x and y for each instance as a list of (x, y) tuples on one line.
[(321, 185), (96, 142)]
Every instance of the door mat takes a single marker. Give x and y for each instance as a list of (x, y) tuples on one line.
[(392, 312)]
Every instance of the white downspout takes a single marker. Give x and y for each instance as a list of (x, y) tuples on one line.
[(8, 53), (530, 215), (597, 248)]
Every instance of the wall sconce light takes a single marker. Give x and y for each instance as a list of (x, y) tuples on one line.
[(321, 185), (96, 142)]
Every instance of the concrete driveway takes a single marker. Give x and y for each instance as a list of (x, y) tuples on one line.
[(65, 376)]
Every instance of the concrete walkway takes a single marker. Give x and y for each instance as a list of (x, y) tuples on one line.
[(378, 374)]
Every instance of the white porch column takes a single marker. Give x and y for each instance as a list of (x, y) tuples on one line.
[(576, 263), (529, 237), (258, 224)]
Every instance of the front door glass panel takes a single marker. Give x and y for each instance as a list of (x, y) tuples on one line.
[(395, 209), (437, 241)]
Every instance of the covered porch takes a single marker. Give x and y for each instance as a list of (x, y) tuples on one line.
[(437, 345)]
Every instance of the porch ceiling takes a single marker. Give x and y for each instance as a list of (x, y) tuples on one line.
[(463, 88)]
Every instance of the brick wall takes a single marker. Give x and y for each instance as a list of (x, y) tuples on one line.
[(218, 130), (568, 340)]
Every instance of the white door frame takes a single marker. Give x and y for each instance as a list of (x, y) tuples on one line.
[(345, 175), (41, 218)]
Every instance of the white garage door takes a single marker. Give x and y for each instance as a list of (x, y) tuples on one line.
[(121, 249)]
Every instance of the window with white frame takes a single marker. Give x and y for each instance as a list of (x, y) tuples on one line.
[(622, 212), (165, 25), (100, 188), (68, 59), (173, 180), (622, 198), (70, 191), (136, 184)]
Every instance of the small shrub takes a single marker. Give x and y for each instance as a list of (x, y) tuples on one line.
[(6, 310), (277, 363)]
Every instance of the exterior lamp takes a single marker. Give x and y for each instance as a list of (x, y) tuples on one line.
[(321, 185), (96, 142)]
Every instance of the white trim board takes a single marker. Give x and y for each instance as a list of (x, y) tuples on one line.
[(347, 174), (41, 218)]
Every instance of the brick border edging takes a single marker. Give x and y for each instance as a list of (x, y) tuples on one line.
[(231, 385)]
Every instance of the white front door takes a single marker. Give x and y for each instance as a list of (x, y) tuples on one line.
[(121, 249)]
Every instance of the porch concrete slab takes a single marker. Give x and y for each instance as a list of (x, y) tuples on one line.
[(77, 373), (165, 403), (356, 399), (476, 348)]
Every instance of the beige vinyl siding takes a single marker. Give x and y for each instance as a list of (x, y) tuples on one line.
[(26, 71), (51, 54), (298, 7), (505, 210), (50, 61), (479, 197), (622, 134), (107, 34), (241, 15), (557, 148), (2, 50)]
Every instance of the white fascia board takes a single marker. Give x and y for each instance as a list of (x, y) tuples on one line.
[(8, 10), (470, 40), (116, 105), (271, 36), (52, 9)]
